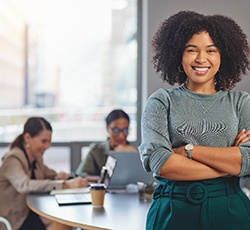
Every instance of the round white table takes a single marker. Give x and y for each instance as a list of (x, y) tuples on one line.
[(120, 211)]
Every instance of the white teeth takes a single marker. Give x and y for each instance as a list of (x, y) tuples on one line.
[(201, 69)]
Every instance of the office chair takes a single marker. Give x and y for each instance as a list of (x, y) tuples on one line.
[(6, 222)]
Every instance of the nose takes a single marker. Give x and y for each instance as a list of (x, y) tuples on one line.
[(121, 135), (201, 57), (47, 145)]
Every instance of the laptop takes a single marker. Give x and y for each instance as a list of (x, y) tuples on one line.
[(126, 168), (73, 199)]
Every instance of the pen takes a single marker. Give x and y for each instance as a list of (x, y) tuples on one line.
[(72, 175)]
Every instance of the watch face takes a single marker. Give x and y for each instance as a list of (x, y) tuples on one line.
[(189, 147)]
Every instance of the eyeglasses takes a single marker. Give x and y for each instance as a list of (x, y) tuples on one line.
[(117, 130)]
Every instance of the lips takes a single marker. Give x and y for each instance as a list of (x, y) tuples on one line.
[(200, 70)]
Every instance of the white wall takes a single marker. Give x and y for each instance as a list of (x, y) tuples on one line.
[(155, 11)]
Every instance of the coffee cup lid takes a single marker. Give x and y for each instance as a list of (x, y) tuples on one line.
[(97, 186)]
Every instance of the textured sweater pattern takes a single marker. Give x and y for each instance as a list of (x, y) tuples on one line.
[(175, 117)]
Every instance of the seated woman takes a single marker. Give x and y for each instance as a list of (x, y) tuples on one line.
[(23, 171), (117, 124)]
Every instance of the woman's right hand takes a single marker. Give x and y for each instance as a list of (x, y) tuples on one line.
[(77, 182), (125, 148), (242, 137)]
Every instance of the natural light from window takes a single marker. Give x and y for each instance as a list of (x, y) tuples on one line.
[(71, 61)]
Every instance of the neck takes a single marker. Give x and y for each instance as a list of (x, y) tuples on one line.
[(30, 155), (201, 89)]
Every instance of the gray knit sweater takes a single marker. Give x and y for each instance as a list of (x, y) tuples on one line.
[(178, 116)]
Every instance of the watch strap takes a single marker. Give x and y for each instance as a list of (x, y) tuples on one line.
[(189, 154)]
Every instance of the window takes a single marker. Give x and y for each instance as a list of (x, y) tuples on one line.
[(71, 61), (58, 158)]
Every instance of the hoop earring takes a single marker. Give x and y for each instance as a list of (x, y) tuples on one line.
[(180, 69)]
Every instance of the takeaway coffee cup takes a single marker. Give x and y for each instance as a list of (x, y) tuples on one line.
[(98, 194)]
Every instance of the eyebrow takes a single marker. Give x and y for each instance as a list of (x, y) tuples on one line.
[(212, 45)]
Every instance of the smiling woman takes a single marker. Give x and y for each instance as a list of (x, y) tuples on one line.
[(117, 126), (201, 61), (195, 137), (23, 172)]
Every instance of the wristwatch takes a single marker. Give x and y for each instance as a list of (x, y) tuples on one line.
[(189, 148)]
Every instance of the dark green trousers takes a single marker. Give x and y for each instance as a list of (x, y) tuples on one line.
[(217, 204)]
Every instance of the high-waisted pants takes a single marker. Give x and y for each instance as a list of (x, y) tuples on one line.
[(217, 204)]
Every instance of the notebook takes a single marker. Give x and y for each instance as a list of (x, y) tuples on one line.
[(70, 191), (127, 169), (73, 199)]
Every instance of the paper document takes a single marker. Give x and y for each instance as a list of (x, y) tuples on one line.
[(70, 191)]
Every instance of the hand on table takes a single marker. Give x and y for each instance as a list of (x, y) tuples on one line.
[(62, 176), (77, 182)]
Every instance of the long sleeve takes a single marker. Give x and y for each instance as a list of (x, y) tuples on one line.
[(95, 159), (16, 175), (15, 183), (175, 117), (156, 147), (244, 123)]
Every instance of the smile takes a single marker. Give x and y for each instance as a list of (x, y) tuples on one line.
[(200, 70)]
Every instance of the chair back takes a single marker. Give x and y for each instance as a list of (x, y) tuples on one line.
[(6, 222)]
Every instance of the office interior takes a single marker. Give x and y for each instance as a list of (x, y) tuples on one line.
[(150, 14)]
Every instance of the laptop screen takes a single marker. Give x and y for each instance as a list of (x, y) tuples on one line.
[(128, 169)]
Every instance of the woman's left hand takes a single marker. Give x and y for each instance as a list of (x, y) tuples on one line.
[(62, 176), (181, 151)]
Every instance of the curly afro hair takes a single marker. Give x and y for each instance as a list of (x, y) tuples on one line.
[(173, 34)]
